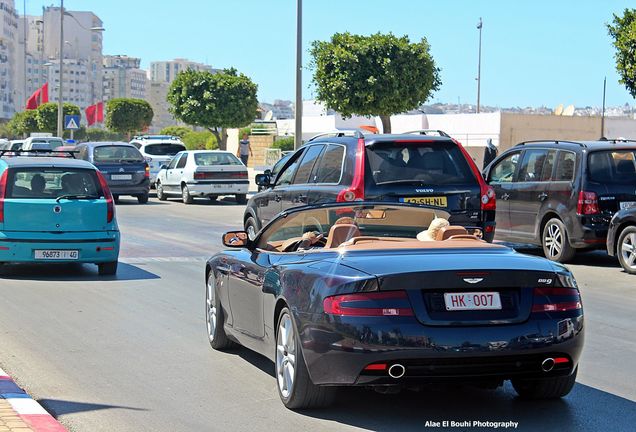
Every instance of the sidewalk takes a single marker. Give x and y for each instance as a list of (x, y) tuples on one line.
[(20, 413)]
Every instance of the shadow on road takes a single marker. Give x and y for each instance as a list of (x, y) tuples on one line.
[(593, 258), (226, 201), (72, 272), (60, 407)]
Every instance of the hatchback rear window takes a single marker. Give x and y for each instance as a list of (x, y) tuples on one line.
[(51, 183), (613, 166), (46, 144), (208, 159), (116, 154), (436, 163), (164, 149)]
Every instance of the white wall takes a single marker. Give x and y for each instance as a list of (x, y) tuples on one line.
[(620, 128)]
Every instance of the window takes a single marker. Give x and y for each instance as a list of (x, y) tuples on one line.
[(182, 161), (173, 162), (330, 166), (532, 165), (116, 154), (285, 177), (307, 164), (164, 149), (565, 166), (504, 171), (613, 166), (50, 183), (211, 159)]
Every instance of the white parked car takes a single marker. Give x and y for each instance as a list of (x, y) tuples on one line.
[(203, 173), (42, 143), (157, 150)]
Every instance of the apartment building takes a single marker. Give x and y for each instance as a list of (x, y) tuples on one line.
[(8, 52), (122, 78)]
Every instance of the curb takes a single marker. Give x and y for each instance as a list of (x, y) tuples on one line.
[(27, 409)]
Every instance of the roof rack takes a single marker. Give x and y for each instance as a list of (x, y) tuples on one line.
[(150, 137), (38, 152), (436, 132), (552, 141), (357, 133)]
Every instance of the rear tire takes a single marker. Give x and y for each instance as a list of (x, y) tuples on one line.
[(214, 319), (161, 195), (295, 388), (142, 199), (555, 242), (547, 388), (185, 195), (107, 269), (626, 249), (241, 199), (251, 228)]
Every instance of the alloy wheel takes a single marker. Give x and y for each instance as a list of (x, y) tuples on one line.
[(553, 240), (211, 315), (628, 250), (286, 356), (251, 232)]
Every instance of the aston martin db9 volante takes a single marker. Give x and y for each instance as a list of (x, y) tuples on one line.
[(389, 295)]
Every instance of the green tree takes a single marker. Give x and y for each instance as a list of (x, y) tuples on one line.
[(377, 75), (179, 131), (94, 134), (200, 140), (623, 33), (47, 115), (126, 116), (23, 123), (284, 143), (214, 101)]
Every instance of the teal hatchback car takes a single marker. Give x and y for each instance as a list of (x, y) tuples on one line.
[(56, 210)]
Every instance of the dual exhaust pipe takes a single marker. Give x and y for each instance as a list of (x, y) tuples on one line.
[(397, 371), (548, 364)]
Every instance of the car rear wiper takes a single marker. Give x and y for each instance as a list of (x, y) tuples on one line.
[(76, 196)]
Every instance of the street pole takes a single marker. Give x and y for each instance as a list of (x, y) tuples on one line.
[(603, 112), (298, 134), (479, 26), (25, 53), (60, 103)]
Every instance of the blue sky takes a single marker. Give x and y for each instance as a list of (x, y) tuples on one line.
[(533, 53)]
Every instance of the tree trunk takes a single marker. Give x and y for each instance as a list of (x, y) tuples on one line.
[(386, 123), (219, 141)]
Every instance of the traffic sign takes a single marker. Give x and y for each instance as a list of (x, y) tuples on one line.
[(71, 122)]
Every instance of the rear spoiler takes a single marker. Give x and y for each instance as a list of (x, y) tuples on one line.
[(39, 152)]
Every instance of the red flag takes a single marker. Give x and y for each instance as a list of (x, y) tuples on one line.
[(100, 112), (44, 93), (91, 116), (39, 97)]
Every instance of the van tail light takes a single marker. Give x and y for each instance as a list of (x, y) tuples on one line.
[(486, 193), (587, 204), (356, 191), (110, 206), (556, 299), (3, 191), (147, 172), (387, 303)]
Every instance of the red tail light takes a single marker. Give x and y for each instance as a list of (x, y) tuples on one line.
[(110, 207), (487, 194), (356, 191), (147, 172), (376, 367), (387, 303), (3, 191), (556, 299), (220, 175), (587, 204)]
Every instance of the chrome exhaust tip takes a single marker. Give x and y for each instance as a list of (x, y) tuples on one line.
[(397, 371), (547, 365)]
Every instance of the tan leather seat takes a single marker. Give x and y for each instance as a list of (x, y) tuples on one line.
[(340, 233), (452, 230)]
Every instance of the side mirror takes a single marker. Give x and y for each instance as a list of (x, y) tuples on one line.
[(235, 239), (268, 172), (262, 180)]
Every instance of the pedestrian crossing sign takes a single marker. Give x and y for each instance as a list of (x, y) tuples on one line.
[(71, 122)]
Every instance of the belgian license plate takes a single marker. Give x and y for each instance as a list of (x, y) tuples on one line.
[(472, 301), (121, 176), (628, 204), (432, 201), (56, 254)]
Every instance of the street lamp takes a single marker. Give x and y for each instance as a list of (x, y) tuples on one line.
[(479, 26), (40, 22)]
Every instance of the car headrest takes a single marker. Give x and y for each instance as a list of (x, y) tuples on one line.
[(340, 233), (452, 230)]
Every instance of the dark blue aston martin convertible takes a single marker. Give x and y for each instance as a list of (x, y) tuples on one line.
[(390, 295)]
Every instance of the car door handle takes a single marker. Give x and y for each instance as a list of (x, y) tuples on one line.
[(278, 198), (505, 197), (302, 198), (543, 196)]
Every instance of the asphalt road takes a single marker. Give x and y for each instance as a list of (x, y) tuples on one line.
[(130, 353)]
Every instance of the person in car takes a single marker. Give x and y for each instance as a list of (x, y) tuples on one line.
[(38, 184), (430, 234)]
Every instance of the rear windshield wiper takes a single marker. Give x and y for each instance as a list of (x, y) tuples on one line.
[(76, 196)]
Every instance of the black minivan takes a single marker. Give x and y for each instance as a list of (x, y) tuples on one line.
[(123, 166), (419, 169), (561, 195)]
